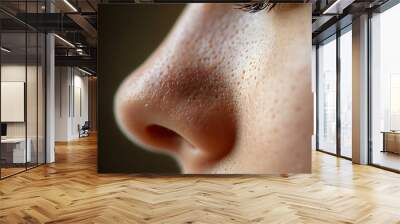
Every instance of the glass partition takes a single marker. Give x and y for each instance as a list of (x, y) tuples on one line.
[(327, 96), (22, 77), (14, 153)]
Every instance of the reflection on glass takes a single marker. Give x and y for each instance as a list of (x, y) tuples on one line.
[(15, 151), (327, 97), (22, 92), (31, 100), (346, 94), (386, 89)]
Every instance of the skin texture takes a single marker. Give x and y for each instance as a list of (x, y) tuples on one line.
[(227, 91)]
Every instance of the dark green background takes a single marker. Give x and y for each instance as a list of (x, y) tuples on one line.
[(127, 35)]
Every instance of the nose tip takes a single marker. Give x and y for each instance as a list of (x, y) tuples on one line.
[(190, 118)]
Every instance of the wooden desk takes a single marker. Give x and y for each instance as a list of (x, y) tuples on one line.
[(391, 141), (13, 150)]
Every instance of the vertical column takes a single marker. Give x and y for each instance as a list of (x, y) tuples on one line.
[(338, 91), (50, 92), (360, 90), (62, 103), (314, 92)]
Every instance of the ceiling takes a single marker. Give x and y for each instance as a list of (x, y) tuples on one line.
[(76, 22)]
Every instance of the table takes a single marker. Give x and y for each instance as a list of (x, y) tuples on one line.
[(391, 141)]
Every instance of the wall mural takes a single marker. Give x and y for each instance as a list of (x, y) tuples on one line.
[(219, 90)]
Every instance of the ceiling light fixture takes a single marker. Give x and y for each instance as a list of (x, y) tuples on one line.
[(337, 7), (5, 50), (64, 40), (84, 71), (70, 5)]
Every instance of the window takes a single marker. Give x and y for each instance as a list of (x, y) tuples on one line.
[(327, 96), (333, 137), (385, 89), (346, 93)]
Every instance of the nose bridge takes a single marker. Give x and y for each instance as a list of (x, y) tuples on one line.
[(180, 72), (184, 93)]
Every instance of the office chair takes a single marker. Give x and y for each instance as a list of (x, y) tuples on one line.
[(84, 130)]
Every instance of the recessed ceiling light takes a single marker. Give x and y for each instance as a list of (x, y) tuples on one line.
[(70, 5), (64, 40), (84, 71), (5, 50), (337, 7)]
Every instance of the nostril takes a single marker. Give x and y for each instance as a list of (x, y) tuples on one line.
[(159, 132), (163, 137), (177, 118)]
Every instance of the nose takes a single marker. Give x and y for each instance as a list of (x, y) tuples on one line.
[(176, 108)]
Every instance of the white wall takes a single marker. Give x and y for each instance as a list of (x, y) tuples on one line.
[(62, 81), (13, 100), (71, 102), (33, 127), (12, 73), (80, 102)]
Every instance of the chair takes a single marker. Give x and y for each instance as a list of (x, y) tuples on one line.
[(84, 130)]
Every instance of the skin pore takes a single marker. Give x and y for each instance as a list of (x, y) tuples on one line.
[(227, 91)]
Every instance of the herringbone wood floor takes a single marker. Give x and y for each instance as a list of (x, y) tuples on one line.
[(70, 191)]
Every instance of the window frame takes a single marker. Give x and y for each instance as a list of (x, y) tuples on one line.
[(334, 37)]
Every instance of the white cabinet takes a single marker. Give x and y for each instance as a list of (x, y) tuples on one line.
[(19, 155)]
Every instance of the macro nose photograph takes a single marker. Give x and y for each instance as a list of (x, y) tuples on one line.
[(213, 96), (227, 111)]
